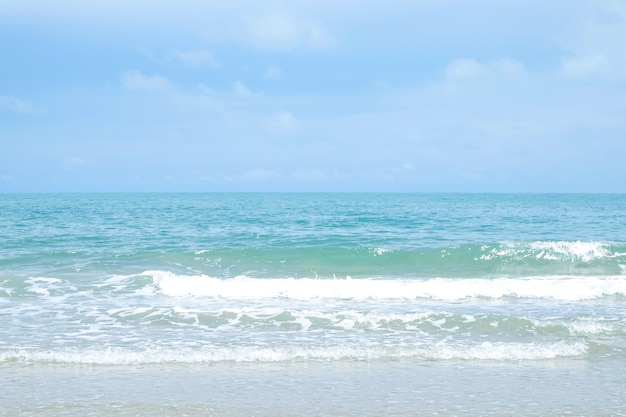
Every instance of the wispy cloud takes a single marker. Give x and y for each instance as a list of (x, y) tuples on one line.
[(280, 32), (318, 174), (586, 65), (16, 105), (241, 91), (258, 175), (273, 73), (135, 80), (595, 47), (254, 176), (198, 58), (465, 69), (283, 121)]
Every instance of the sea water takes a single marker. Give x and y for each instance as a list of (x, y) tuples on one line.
[(312, 304)]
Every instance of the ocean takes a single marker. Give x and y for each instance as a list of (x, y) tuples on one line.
[(342, 304)]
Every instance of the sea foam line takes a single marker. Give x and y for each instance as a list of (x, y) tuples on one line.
[(239, 354), (584, 251), (243, 287)]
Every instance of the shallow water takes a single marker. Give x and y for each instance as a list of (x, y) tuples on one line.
[(391, 388), (312, 304)]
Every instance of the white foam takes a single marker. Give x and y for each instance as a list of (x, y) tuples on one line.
[(42, 285), (584, 251), (582, 326), (512, 351), (7, 291), (379, 251), (248, 317), (242, 287), (240, 354)]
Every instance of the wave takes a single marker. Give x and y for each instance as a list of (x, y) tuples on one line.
[(554, 250), (150, 283), (470, 260), (512, 258), (118, 356), (565, 288), (427, 324)]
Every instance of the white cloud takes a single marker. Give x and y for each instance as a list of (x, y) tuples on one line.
[(406, 167), (468, 174), (273, 73), (471, 69), (135, 80), (316, 174), (16, 105), (148, 54), (241, 91), (595, 47), (396, 172), (507, 66), (586, 65), (283, 121), (256, 175), (465, 68), (197, 59), (280, 32)]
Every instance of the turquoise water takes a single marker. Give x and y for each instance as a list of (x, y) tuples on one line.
[(312, 304)]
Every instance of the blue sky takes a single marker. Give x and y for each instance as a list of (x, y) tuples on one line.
[(445, 95)]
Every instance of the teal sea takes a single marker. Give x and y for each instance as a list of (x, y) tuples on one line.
[(312, 304)]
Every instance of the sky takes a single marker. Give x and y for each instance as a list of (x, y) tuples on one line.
[(399, 96)]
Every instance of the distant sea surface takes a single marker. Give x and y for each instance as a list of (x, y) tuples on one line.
[(312, 304)]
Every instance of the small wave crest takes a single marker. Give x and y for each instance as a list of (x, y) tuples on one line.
[(243, 287), (240, 354), (552, 251)]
